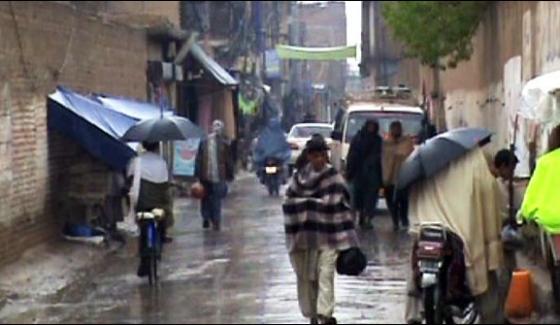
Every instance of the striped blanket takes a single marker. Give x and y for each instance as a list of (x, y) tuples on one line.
[(317, 213)]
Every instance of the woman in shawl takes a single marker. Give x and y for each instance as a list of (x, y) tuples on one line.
[(364, 171)]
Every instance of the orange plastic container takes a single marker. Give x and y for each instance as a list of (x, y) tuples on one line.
[(520, 301)]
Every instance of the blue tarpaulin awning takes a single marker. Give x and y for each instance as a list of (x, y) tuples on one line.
[(96, 128)]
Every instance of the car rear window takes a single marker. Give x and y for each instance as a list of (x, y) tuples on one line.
[(308, 131)]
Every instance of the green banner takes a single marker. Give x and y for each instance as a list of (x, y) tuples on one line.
[(316, 53)]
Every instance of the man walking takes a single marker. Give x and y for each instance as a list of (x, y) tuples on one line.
[(318, 225), (396, 148), (214, 168)]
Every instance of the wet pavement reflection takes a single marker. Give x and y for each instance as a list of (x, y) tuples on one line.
[(240, 275)]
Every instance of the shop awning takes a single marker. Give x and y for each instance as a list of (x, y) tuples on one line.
[(96, 128), (316, 53), (221, 75)]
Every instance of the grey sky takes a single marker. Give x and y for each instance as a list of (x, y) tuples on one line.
[(354, 28)]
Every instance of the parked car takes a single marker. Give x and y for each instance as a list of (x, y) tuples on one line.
[(301, 133)]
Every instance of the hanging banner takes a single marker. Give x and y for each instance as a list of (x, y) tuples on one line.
[(184, 157), (316, 53)]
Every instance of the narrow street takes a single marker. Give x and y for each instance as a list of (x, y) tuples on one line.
[(451, 107), (241, 275)]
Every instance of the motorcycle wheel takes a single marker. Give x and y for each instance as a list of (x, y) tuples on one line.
[(271, 184), (432, 306), (277, 188)]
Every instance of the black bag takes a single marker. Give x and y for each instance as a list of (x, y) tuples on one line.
[(351, 262)]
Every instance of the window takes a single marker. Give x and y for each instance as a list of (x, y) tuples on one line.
[(309, 131), (412, 123)]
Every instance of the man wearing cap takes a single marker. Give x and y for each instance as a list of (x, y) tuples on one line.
[(319, 224)]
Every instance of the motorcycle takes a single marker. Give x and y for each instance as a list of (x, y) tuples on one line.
[(273, 176), (440, 273), (151, 241)]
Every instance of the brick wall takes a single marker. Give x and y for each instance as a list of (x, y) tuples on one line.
[(144, 11), (43, 44)]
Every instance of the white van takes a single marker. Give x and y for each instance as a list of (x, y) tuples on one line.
[(352, 121)]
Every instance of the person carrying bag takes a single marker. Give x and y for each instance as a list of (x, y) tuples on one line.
[(320, 231)]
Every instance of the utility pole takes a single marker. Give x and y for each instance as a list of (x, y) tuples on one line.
[(295, 40)]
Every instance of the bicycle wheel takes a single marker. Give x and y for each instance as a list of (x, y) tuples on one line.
[(153, 269), (151, 245)]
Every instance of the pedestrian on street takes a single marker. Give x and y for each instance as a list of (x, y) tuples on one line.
[(505, 163), (540, 203), (303, 160), (364, 171), (214, 169), (149, 171), (396, 148), (318, 225), (272, 145), (503, 169), (466, 199)]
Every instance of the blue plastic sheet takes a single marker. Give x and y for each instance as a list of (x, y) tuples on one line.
[(272, 143), (96, 128)]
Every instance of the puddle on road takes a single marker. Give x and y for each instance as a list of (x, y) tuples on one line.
[(242, 275)]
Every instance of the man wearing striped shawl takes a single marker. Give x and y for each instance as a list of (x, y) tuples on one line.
[(318, 224)]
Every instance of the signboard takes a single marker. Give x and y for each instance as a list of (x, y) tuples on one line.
[(272, 64), (184, 157)]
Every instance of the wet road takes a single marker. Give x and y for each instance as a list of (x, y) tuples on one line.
[(241, 275)]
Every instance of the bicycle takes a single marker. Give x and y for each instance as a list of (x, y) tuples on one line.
[(151, 241)]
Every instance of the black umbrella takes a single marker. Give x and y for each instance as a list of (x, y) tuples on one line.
[(437, 153), (167, 128)]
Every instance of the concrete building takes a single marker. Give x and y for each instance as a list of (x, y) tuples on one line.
[(109, 47), (323, 25), (383, 60), (513, 44)]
